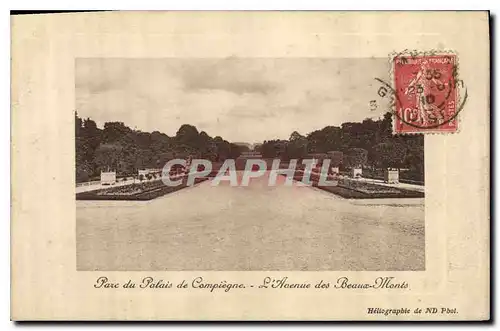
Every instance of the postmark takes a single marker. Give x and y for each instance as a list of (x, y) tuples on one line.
[(426, 94)]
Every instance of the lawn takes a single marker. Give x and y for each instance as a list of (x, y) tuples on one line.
[(138, 191)]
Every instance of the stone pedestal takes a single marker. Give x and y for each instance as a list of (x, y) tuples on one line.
[(391, 176), (356, 172), (108, 178)]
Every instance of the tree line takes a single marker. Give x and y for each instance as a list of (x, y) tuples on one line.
[(119, 148), (353, 144)]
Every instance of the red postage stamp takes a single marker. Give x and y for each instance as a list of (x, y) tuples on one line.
[(426, 93)]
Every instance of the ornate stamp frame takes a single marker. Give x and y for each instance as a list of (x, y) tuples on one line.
[(427, 94)]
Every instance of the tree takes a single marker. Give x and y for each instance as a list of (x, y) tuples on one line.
[(222, 148), (90, 126), (324, 140), (188, 135), (273, 148), (78, 125), (296, 148), (389, 155), (114, 131), (87, 139), (386, 125), (414, 160), (108, 156), (126, 150), (336, 158), (295, 136), (236, 150)]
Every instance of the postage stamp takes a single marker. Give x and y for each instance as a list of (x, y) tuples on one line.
[(426, 93)]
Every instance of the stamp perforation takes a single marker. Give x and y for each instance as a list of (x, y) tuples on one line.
[(459, 100)]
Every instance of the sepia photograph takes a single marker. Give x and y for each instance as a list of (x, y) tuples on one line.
[(244, 164)]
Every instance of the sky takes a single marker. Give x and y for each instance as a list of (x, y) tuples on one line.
[(240, 99)]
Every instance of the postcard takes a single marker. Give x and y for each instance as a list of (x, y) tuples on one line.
[(251, 166)]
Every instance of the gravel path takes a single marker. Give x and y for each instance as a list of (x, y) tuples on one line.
[(250, 228)]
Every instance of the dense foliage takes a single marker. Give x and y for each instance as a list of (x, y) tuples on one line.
[(369, 143), (120, 148)]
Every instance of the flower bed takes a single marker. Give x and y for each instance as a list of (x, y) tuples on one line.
[(354, 189), (368, 188)]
